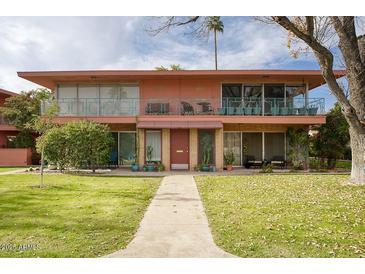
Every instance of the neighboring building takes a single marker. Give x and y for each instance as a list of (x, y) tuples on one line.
[(7, 132), (179, 113), (10, 156)]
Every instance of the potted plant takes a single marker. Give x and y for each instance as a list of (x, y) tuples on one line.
[(206, 159), (229, 160), (160, 167), (134, 166), (150, 165)]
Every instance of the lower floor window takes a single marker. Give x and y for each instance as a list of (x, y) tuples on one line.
[(232, 142), (256, 146), (153, 145), (206, 147)]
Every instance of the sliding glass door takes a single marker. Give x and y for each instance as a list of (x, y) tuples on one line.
[(275, 146), (127, 148), (123, 149), (153, 143), (252, 146)]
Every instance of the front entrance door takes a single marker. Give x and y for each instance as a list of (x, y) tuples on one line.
[(179, 148)]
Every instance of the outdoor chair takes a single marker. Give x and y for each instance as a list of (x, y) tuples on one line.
[(240, 111), (252, 162), (312, 110), (248, 111), (285, 111), (275, 110), (222, 111), (256, 110), (186, 108), (301, 111), (206, 108), (157, 108), (231, 110), (278, 161)]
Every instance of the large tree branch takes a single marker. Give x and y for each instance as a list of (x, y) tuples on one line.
[(310, 25), (172, 21), (325, 59)]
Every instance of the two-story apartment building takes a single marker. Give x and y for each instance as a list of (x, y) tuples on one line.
[(179, 114), (7, 132)]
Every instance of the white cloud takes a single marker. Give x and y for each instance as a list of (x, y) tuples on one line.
[(71, 43)]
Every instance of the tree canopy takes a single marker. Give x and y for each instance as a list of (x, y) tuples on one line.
[(333, 137)]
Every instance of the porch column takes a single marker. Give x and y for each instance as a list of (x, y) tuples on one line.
[(140, 147), (166, 148), (219, 149), (193, 148)]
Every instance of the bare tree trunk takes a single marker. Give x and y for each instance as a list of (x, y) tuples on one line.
[(357, 138), (215, 50), (42, 164)]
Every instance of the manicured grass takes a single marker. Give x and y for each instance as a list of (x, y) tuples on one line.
[(341, 165), (5, 169), (74, 216), (285, 215)]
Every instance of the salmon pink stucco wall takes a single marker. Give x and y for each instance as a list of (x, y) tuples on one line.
[(173, 91), (2, 98), (15, 156)]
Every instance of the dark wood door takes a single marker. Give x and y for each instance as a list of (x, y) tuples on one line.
[(179, 148)]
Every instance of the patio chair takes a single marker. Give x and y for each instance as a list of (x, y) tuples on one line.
[(248, 110), (252, 162), (206, 108), (284, 111), (275, 110), (186, 108), (240, 110), (257, 110), (312, 110), (222, 111), (153, 108), (301, 111), (231, 110), (278, 161)]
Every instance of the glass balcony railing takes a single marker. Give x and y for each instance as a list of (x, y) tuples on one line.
[(189, 106)]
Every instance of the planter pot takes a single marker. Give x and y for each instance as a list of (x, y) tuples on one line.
[(213, 169), (150, 168), (134, 167), (229, 167), (205, 168)]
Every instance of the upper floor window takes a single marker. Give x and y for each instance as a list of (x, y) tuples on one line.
[(231, 90)]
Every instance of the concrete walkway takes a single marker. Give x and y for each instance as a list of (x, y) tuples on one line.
[(175, 225), (21, 170)]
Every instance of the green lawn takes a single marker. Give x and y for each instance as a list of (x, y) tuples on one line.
[(4, 169), (285, 215), (74, 216)]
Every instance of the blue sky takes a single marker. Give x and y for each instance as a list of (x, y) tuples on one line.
[(75, 43)]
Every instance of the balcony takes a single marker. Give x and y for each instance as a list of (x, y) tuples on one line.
[(187, 106)]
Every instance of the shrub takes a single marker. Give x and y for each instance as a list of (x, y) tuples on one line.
[(267, 168), (77, 144)]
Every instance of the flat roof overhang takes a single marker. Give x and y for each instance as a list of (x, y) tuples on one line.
[(5, 127), (194, 120), (50, 79), (8, 93)]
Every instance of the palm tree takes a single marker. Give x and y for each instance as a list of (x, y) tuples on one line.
[(172, 67), (216, 25)]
